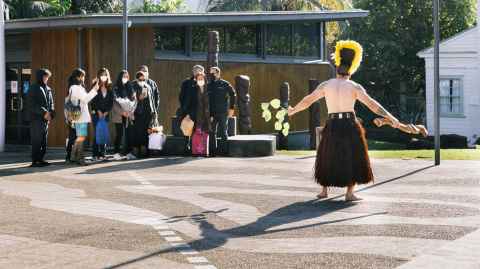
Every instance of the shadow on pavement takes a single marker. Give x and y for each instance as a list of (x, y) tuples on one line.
[(213, 238), (138, 164)]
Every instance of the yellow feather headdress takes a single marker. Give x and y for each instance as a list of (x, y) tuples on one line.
[(349, 44)]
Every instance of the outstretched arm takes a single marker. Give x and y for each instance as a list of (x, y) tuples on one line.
[(374, 106), (308, 100)]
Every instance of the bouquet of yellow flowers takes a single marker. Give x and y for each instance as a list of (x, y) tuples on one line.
[(280, 124)]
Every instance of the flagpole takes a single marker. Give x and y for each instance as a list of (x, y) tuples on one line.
[(436, 82)]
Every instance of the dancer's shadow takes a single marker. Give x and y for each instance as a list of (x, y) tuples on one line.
[(296, 212)]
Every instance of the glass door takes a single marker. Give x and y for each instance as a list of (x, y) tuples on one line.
[(17, 123)]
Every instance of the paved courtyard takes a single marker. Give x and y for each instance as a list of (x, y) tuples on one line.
[(197, 213)]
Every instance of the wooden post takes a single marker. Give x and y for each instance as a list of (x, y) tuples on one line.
[(314, 111), (284, 99), (242, 85), (213, 49)]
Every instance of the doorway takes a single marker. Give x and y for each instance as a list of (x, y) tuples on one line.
[(18, 81)]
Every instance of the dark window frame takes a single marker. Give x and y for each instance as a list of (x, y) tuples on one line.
[(261, 45)]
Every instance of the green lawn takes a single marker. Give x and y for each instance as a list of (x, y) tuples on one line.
[(387, 150)]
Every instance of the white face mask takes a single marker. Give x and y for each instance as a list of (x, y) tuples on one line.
[(201, 82), (103, 78), (124, 80), (141, 83)]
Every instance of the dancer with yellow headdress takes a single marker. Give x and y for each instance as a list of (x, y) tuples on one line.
[(342, 156)]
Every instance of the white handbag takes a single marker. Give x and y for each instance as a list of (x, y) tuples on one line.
[(156, 140)]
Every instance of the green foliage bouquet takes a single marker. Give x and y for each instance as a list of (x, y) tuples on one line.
[(281, 113)]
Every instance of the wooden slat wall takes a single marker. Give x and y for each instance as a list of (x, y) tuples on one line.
[(265, 78), (57, 51)]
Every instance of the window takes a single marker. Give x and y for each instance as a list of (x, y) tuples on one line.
[(241, 39), (279, 40), (200, 38), (451, 97), (170, 39), (241, 42), (306, 40)]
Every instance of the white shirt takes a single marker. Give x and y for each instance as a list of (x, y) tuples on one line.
[(78, 93)]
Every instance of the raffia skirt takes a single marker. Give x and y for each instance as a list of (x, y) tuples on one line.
[(342, 156)]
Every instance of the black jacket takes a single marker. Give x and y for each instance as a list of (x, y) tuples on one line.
[(145, 107), (124, 91), (221, 97), (192, 101), (188, 99), (101, 103), (155, 94), (40, 101)]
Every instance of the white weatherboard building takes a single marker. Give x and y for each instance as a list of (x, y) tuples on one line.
[(459, 84)]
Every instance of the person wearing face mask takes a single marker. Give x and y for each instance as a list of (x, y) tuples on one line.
[(194, 103), (222, 99), (153, 85), (143, 117), (101, 107), (122, 113), (42, 111), (78, 95), (188, 99)]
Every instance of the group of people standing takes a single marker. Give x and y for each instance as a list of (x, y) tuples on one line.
[(131, 105), (208, 101)]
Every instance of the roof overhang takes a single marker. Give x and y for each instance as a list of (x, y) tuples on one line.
[(115, 20), (429, 51)]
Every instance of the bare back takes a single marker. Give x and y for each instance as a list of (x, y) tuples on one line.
[(341, 95)]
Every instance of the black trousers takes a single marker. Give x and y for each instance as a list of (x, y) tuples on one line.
[(219, 131), (118, 145), (38, 135), (72, 136)]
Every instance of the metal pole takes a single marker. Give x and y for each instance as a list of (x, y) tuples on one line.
[(436, 82), (3, 102), (125, 35)]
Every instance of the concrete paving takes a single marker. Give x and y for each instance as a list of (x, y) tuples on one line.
[(206, 213)]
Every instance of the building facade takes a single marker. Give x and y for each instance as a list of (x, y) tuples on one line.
[(270, 48), (459, 86)]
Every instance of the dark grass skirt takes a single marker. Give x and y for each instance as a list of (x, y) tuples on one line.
[(342, 156)]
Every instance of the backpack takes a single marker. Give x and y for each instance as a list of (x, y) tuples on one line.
[(72, 111)]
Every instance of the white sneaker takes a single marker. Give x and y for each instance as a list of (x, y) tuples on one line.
[(130, 156), (117, 157)]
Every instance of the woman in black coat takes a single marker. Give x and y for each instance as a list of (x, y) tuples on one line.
[(143, 116), (101, 107)]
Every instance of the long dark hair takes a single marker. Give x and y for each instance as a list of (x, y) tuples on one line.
[(347, 56), (104, 71), (121, 89), (74, 78)]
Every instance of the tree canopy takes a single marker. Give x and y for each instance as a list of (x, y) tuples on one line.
[(44, 8), (393, 34)]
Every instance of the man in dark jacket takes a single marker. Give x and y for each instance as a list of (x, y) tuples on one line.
[(222, 99), (42, 111)]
